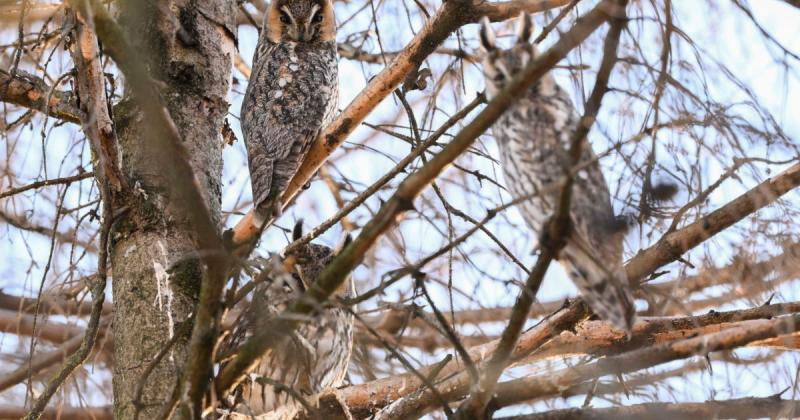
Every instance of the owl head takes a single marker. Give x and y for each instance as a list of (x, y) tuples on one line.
[(300, 21), (500, 65), (307, 262)]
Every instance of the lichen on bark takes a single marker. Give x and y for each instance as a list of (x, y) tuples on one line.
[(156, 273)]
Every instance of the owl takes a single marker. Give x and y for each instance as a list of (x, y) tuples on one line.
[(533, 137), (312, 359), (292, 95)]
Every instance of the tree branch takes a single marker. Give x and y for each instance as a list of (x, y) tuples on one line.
[(22, 324), (49, 304), (92, 326), (96, 120), (744, 408), (45, 183), (65, 238), (364, 399), (43, 361), (516, 391), (451, 16), (670, 247), (32, 92), (60, 413)]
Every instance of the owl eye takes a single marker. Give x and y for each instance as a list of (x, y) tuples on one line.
[(285, 19), (317, 18)]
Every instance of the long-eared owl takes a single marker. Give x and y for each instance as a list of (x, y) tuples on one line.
[(312, 359), (291, 96), (533, 137)]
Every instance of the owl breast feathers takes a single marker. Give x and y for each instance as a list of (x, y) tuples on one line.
[(312, 358), (533, 137), (292, 94)]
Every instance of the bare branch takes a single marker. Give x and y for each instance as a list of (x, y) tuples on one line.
[(49, 304), (60, 413), (43, 361), (45, 183), (22, 324), (516, 391), (96, 121), (744, 408), (32, 92), (673, 245), (92, 327)]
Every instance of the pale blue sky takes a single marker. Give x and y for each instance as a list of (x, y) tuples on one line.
[(730, 41)]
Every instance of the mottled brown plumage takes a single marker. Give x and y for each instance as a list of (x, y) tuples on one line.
[(533, 137), (312, 359), (291, 96)]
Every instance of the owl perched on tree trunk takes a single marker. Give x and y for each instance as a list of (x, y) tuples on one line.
[(533, 137), (291, 96), (313, 358)]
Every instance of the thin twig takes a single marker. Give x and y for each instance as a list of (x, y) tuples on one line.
[(45, 183)]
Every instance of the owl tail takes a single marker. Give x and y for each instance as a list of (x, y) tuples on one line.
[(604, 287)]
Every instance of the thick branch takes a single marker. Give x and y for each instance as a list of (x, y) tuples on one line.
[(96, 120), (599, 338), (32, 92), (48, 304), (365, 398), (516, 391), (744, 408), (22, 324)]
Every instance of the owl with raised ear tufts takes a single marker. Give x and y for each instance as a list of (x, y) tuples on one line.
[(312, 359), (534, 138), (291, 96)]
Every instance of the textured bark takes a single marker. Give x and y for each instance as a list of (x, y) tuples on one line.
[(189, 48)]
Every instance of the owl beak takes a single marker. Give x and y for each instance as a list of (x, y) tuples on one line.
[(298, 33), (301, 33)]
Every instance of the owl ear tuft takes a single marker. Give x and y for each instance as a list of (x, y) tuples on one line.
[(524, 28), (343, 243), (297, 231), (487, 34)]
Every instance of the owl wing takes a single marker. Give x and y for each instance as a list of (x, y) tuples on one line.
[(598, 273), (593, 254), (258, 394), (292, 94)]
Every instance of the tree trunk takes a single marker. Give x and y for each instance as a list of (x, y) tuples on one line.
[(189, 46)]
